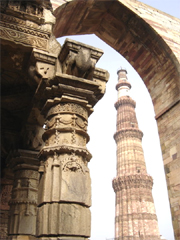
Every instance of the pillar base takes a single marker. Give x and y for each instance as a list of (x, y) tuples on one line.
[(23, 237), (63, 238)]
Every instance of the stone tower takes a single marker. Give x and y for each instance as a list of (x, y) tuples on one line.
[(135, 213)]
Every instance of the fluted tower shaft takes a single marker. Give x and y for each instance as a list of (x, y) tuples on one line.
[(135, 213)]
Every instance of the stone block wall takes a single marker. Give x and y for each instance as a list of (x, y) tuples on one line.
[(169, 132)]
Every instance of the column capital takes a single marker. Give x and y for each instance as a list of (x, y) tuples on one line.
[(75, 79)]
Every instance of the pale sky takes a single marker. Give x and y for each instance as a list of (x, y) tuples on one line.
[(101, 128)]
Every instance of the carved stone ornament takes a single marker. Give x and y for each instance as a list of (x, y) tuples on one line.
[(23, 202), (79, 65), (27, 23), (79, 59), (69, 108), (27, 39), (73, 163), (128, 133), (62, 121), (26, 8), (132, 181), (125, 101)]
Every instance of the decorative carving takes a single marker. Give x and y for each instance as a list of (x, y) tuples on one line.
[(46, 70), (128, 133), (68, 108), (42, 29), (25, 39), (80, 64), (132, 181), (57, 137), (82, 124), (73, 139), (125, 100), (26, 7), (46, 150), (74, 164), (64, 121), (60, 121), (23, 202), (25, 30), (72, 46)]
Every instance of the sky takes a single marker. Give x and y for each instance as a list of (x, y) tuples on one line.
[(101, 128)]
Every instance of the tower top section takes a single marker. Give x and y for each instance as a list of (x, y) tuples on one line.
[(123, 86)]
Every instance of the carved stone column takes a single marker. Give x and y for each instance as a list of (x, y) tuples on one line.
[(65, 186), (23, 203), (66, 101), (5, 195)]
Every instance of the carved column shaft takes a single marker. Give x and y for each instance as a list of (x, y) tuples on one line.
[(23, 203), (5, 196), (65, 185)]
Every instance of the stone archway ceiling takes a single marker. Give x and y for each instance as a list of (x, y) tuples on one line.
[(146, 37), (167, 26)]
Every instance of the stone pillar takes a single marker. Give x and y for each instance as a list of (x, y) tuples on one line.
[(5, 195), (23, 203), (66, 102), (65, 185)]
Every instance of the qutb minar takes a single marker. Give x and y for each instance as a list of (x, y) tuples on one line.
[(135, 217)]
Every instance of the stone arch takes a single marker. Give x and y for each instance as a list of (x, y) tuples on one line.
[(132, 37), (148, 39)]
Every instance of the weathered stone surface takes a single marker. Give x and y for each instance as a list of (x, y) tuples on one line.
[(76, 186), (23, 237), (169, 133), (65, 180), (23, 202), (79, 59), (66, 101), (73, 219), (64, 238)]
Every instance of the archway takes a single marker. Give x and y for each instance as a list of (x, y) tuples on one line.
[(101, 126), (148, 53)]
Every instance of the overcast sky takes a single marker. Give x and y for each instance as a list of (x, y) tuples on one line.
[(102, 126)]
